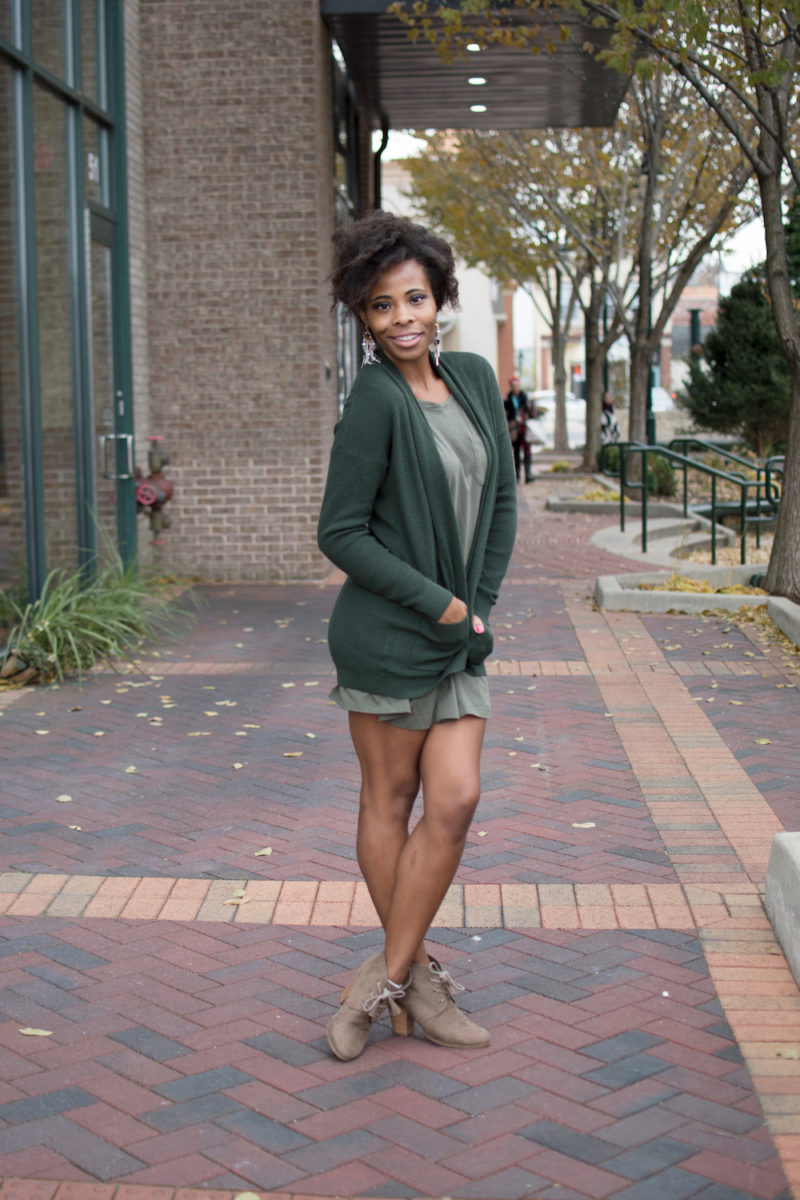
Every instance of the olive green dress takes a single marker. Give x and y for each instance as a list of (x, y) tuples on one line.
[(463, 457)]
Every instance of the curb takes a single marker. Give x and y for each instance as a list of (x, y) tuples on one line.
[(786, 615), (782, 896)]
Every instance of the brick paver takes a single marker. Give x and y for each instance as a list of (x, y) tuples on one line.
[(180, 906)]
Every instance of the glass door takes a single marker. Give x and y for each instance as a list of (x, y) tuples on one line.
[(111, 457)]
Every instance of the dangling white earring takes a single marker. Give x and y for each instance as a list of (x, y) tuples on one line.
[(368, 348), (437, 343)]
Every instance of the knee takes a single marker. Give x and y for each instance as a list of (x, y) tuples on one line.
[(390, 799), (453, 813)]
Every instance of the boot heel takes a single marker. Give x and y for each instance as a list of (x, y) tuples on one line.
[(402, 1023), (346, 992)]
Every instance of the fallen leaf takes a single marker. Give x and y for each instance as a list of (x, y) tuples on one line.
[(251, 726), (77, 708), (238, 900), (293, 754), (738, 702), (262, 853), (36, 1032), (130, 770), (311, 683), (74, 827), (584, 824), (65, 799), (311, 735), (763, 742), (105, 701), (237, 766), (787, 1052), (240, 733), (482, 833), (210, 713), (99, 733), (200, 733), (287, 685), (42, 732)]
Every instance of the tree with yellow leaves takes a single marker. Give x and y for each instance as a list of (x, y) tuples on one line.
[(622, 216)]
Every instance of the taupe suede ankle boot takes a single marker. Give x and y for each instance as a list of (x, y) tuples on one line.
[(367, 994), (429, 1000)]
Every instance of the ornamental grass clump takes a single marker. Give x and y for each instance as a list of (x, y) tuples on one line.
[(77, 623)]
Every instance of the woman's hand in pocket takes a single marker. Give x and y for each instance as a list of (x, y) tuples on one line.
[(477, 624), (455, 612)]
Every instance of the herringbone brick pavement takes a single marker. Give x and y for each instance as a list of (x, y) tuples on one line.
[(182, 907)]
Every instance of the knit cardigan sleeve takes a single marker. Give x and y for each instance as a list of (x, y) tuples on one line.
[(358, 467)]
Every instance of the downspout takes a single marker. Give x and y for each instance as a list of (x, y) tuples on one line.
[(376, 162)]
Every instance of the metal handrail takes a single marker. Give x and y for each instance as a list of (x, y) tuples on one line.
[(766, 491)]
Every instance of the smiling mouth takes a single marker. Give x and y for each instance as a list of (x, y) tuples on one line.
[(406, 337)]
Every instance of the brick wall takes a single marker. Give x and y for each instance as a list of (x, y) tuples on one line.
[(137, 247), (237, 188)]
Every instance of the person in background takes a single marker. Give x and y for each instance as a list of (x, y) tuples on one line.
[(609, 430), (419, 511), (518, 410)]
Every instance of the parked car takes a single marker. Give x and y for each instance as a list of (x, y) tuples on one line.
[(576, 419)]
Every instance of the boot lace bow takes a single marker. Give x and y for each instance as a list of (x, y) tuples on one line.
[(385, 995), (444, 979)]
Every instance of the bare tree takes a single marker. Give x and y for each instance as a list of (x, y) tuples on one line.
[(741, 61)]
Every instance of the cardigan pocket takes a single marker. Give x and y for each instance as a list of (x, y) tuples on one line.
[(436, 644), (369, 638)]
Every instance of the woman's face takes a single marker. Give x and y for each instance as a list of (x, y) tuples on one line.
[(401, 312)]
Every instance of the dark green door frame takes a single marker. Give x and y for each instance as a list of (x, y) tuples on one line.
[(108, 112)]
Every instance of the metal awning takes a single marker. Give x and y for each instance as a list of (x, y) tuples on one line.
[(406, 85)]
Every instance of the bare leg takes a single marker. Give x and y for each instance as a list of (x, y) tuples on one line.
[(449, 768), (390, 776)]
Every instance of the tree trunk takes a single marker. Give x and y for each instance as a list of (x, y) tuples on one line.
[(560, 442), (639, 383), (783, 573), (594, 377)]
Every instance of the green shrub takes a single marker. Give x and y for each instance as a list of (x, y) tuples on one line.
[(661, 479), (75, 624), (608, 459)]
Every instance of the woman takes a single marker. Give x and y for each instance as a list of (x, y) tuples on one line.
[(420, 513)]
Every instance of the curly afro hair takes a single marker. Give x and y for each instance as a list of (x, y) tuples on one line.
[(380, 240)]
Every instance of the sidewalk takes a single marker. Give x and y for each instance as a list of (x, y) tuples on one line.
[(181, 905)]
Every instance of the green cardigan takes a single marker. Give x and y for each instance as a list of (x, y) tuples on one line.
[(388, 522)]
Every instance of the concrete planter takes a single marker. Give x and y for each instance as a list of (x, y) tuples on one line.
[(618, 593), (623, 593)]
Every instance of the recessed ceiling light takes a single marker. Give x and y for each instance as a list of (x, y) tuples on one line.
[(477, 108), (473, 47), (476, 80)]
